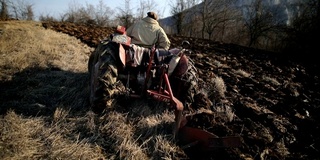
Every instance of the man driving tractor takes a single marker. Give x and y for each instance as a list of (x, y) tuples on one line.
[(147, 32)]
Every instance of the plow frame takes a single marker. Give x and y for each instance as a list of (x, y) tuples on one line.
[(205, 140)]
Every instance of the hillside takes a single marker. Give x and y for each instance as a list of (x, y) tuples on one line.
[(45, 111)]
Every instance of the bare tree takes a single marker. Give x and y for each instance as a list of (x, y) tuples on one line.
[(228, 24), (125, 16), (304, 31), (18, 9), (22, 10), (190, 26), (261, 22), (89, 14), (177, 10), (79, 14), (146, 6), (215, 15), (102, 14), (48, 18), (29, 14), (75, 13), (4, 14)]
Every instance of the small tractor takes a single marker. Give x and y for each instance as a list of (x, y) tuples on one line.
[(165, 75)]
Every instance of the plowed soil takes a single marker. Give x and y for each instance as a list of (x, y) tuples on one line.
[(275, 100)]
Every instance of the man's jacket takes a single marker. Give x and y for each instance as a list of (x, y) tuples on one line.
[(147, 32)]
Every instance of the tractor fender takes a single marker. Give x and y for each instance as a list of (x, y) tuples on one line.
[(178, 65), (173, 64)]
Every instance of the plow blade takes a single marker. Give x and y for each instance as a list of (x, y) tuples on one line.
[(206, 141)]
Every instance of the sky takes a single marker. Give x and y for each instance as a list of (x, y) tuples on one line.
[(57, 7)]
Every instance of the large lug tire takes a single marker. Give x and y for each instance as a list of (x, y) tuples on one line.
[(94, 56), (92, 61), (186, 86), (195, 96), (191, 85), (104, 85)]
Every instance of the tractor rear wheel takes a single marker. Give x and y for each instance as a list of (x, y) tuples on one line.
[(186, 86), (104, 85)]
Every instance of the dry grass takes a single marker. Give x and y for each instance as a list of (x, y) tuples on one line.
[(20, 138), (216, 89), (271, 80), (33, 138), (225, 112), (24, 45), (45, 113), (242, 73)]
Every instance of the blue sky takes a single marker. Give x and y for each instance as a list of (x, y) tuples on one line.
[(58, 7)]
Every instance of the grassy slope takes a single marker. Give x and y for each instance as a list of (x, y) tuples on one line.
[(45, 111)]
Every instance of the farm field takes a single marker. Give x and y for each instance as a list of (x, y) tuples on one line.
[(272, 102)]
